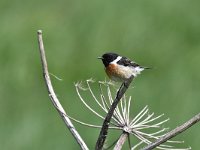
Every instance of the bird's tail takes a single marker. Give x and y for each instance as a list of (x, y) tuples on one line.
[(147, 67)]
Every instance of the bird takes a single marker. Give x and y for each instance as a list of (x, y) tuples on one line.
[(120, 68)]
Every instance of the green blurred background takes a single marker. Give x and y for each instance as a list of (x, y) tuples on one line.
[(164, 35)]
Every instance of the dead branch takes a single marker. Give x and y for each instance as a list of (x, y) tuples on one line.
[(174, 132), (53, 96)]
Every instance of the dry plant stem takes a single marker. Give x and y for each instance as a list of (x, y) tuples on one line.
[(121, 141), (104, 129), (53, 96), (174, 132)]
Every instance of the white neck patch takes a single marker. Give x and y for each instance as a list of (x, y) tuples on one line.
[(116, 60)]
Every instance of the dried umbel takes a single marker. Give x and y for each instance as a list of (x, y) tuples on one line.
[(146, 127)]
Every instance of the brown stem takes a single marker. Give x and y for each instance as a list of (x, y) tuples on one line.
[(53, 96)]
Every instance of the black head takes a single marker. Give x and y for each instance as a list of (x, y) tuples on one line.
[(108, 57)]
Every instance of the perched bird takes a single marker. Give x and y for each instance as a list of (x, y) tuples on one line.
[(119, 68)]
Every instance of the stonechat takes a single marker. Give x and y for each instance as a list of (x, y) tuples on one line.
[(120, 68)]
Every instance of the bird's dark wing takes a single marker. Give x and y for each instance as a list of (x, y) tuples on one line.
[(127, 62)]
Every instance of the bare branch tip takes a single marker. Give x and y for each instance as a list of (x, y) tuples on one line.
[(39, 31)]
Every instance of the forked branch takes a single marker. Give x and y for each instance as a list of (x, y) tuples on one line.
[(53, 96)]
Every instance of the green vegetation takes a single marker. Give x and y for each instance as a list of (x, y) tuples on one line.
[(164, 35)]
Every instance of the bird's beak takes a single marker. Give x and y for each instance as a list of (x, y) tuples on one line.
[(100, 57)]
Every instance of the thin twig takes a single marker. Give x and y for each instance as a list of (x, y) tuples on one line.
[(104, 129), (121, 141), (53, 96), (174, 132)]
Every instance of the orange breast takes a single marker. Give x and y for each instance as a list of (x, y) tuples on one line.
[(112, 70)]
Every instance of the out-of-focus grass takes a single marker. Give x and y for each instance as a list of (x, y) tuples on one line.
[(162, 34)]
